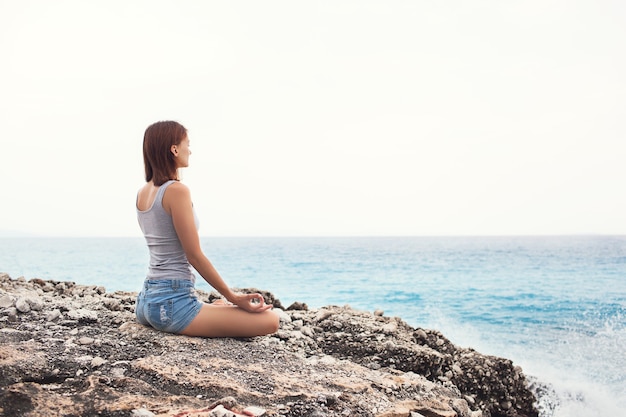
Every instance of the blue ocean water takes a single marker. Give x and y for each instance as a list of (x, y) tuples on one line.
[(554, 305)]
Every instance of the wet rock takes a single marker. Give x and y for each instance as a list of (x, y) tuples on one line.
[(296, 305)]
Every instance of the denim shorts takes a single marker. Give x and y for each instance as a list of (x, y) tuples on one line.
[(168, 305)]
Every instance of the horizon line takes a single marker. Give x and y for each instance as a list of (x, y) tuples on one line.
[(17, 235)]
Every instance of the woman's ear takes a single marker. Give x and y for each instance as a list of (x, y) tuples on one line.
[(174, 150)]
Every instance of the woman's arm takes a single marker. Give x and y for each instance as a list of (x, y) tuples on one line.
[(177, 201)]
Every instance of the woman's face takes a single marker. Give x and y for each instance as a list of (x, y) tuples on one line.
[(182, 152)]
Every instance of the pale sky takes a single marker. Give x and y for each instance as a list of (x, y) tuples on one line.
[(319, 117)]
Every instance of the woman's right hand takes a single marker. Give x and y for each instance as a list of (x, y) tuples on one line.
[(252, 303)]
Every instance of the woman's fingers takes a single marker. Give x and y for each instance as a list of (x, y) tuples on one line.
[(257, 302), (259, 308), (254, 303)]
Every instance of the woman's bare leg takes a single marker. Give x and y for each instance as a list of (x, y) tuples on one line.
[(220, 320)]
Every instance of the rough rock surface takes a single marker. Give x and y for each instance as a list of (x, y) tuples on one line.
[(73, 350)]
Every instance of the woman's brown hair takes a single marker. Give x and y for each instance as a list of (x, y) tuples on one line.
[(158, 160)]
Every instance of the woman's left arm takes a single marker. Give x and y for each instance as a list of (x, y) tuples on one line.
[(177, 200)]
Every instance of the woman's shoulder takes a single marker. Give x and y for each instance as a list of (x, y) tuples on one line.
[(178, 187), (176, 192)]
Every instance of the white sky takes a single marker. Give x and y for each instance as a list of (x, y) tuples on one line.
[(319, 117)]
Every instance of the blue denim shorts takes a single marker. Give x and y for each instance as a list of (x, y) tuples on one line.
[(168, 305)]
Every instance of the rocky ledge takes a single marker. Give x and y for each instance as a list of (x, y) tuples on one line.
[(73, 350)]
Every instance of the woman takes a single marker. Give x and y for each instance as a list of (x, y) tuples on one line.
[(170, 227)]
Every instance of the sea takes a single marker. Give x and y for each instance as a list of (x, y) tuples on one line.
[(554, 305)]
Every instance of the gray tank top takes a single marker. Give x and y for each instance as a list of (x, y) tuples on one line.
[(167, 257)]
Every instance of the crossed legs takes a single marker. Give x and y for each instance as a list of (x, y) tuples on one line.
[(224, 320)]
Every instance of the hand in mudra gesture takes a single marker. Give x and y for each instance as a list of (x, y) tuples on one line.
[(252, 303)]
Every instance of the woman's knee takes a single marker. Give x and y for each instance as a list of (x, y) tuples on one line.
[(272, 322)]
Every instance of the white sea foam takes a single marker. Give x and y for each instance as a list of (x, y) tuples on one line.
[(584, 379), (573, 396)]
